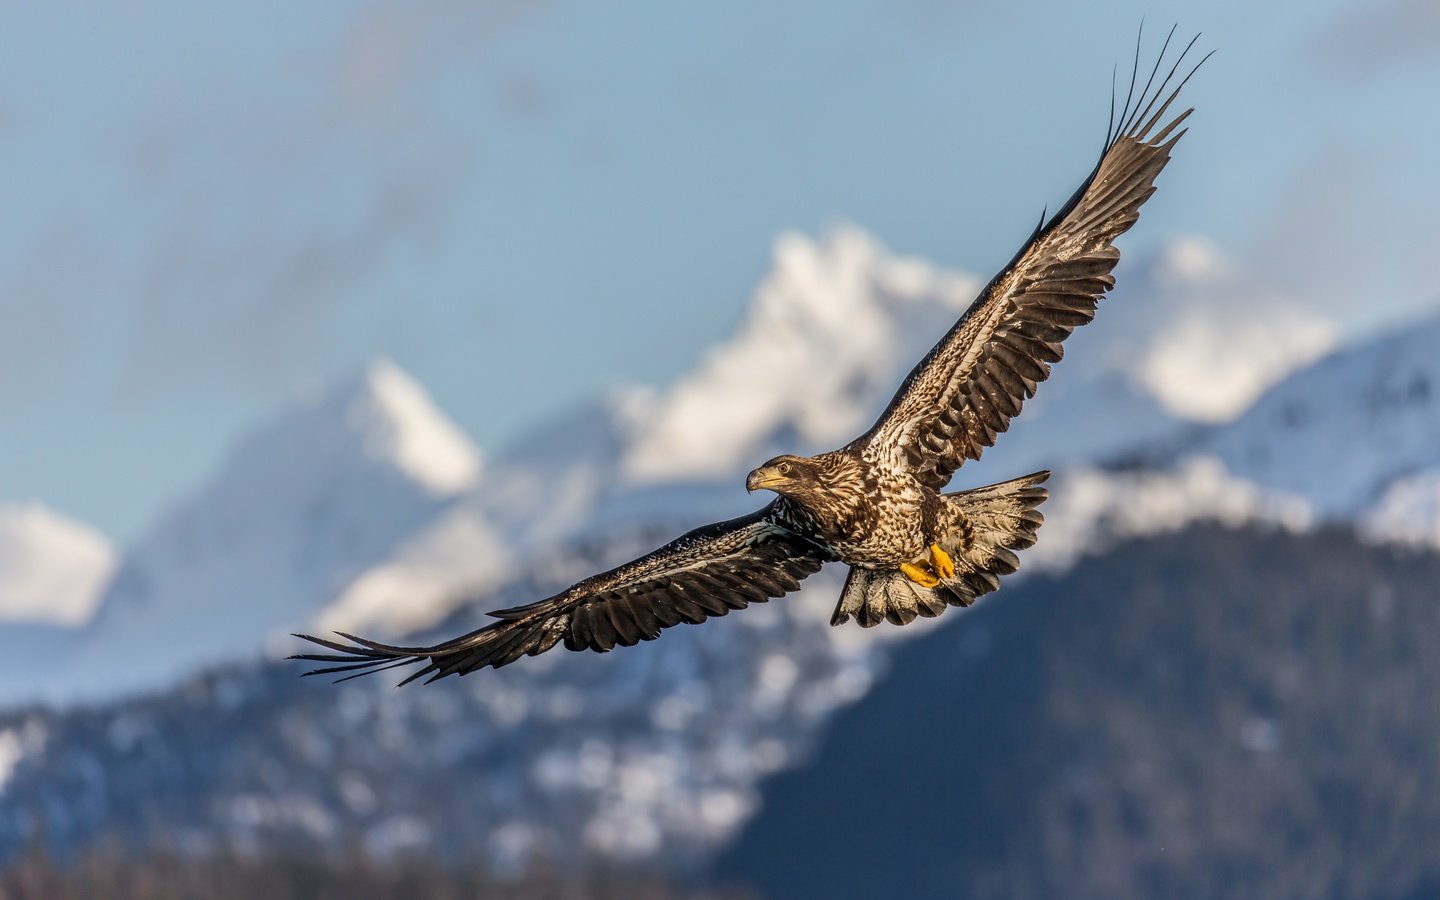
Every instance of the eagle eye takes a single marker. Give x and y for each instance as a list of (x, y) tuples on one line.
[(784, 468)]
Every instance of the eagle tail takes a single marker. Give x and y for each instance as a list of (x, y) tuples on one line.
[(995, 521), (991, 523)]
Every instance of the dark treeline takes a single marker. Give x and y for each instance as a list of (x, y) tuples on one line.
[(107, 875)]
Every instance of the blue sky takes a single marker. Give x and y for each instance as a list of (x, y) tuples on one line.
[(210, 206)]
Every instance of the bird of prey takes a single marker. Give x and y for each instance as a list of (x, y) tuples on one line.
[(878, 504)]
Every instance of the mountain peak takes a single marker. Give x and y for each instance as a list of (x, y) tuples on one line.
[(819, 347), (301, 507), (398, 423)]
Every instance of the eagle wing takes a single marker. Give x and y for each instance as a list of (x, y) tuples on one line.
[(968, 388), (704, 573)]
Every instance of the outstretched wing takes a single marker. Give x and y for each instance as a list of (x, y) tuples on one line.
[(969, 387), (707, 572)]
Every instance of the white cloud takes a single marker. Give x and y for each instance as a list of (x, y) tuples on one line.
[(52, 569), (1210, 367), (1213, 337)]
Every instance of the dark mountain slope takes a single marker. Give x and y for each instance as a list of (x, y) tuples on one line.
[(1213, 713)]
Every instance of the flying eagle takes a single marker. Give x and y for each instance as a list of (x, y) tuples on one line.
[(878, 503)]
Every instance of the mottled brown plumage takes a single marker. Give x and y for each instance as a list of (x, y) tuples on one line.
[(875, 504)]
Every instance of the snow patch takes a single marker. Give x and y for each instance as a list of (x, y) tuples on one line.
[(1408, 512), (11, 752), (16, 743), (1090, 509)]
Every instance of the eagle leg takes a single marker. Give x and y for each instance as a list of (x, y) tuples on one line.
[(941, 562), (919, 574)]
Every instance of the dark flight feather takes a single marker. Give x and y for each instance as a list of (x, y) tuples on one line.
[(966, 390), (705, 573)]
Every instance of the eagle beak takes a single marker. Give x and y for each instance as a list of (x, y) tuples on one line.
[(763, 477)]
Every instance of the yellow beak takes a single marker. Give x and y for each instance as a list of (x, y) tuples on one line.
[(763, 478)]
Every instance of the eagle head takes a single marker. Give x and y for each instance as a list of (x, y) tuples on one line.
[(785, 475)]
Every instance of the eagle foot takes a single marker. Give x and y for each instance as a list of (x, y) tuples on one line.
[(919, 574), (941, 562)]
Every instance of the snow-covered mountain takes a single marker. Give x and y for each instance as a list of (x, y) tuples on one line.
[(831, 332), (300, 508), (816, 355), (1357, 433), (364, 508), (52, 569)]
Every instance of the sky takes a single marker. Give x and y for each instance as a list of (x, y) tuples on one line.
[(211, 207)]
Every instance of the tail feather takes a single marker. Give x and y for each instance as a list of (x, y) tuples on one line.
[(1001, 518), (992, 523), (873, 596)]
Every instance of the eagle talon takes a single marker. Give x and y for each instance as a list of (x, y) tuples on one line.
[(919, 574), (941, 562)]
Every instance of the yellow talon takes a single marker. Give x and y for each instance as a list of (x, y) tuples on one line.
[(921, 576), (943, 565)]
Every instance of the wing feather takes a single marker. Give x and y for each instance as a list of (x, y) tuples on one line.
[(703, 574), (965, 392)]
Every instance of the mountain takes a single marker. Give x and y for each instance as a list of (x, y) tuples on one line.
[(1215, 713), (829, 334), (52, 569), (1191, 714), (814, 359), (626, 757), (1344, 430), (832, 330), (364, 508), (828, 337), (301, 506), (653, 753), (330, 516)]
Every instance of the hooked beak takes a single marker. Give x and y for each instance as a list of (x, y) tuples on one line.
[(763, 478)]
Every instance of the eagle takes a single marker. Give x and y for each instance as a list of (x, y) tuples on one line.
[(879, 504)]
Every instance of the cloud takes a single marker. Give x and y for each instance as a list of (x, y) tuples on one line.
[(1210, 328), (1204, 334), (1372, 37)]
